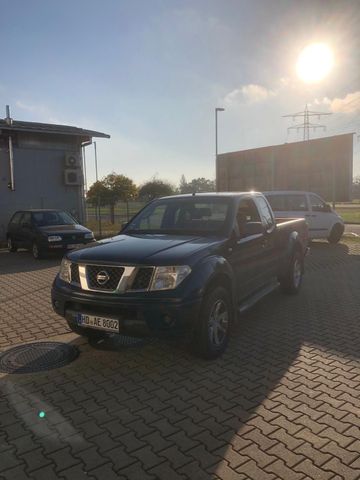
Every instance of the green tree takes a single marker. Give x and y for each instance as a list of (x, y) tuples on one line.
[(155, 188), (98, 194), (121, 188), (112, 189), (183, 184), (196, 185)]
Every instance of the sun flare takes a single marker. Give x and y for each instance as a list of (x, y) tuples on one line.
[(315, 62)]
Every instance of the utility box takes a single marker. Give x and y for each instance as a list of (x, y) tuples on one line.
[(41, 166), (323, 166)]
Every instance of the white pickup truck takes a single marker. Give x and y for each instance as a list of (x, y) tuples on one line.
[(322, 220)]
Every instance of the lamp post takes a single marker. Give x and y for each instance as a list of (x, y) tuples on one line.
[(217, 109)]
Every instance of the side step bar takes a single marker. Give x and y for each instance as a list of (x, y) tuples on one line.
[(250, 301)]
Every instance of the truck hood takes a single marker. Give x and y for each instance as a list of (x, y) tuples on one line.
[(146, 249)]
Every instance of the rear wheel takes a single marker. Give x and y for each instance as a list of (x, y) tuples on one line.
[(211, 335), (37, 252), (291, 282), (336, 233), (11, 245)]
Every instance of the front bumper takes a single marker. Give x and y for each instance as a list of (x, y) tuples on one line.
[(138, 316), (64, 246)]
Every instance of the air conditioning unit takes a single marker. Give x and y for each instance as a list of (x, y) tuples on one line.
[(72, 176), (72, 160)]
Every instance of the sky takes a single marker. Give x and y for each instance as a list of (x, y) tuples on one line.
[(151, 72)]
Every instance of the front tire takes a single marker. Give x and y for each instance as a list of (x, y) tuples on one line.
[(336, 233), (36, 251), (11, 245), (291, 282), (211, 335)]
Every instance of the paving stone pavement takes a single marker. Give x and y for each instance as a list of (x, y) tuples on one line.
[(282, 403)]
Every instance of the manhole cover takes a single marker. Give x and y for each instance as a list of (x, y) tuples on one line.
[(114, 342), (36, 357)]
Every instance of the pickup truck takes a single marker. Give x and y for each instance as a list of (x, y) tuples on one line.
[(184, 265)]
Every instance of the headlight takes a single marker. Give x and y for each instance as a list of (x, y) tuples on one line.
[(167, 278), (54, 238), (89, 236), (65, 272)]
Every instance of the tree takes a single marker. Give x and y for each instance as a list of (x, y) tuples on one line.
[(155, 188), (197, 185), (121, 188), (98, 194), (112, 189), (183, 184)]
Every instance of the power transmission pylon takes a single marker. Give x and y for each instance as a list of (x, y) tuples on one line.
[(306, 125)]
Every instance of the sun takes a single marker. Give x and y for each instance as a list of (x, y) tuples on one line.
[(315, 62)]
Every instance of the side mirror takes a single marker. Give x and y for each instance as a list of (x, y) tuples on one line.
[(252, 228), (327, 208)]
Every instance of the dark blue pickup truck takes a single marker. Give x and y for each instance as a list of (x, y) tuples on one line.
[(185, 264)]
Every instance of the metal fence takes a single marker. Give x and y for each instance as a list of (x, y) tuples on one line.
[(105, 220)]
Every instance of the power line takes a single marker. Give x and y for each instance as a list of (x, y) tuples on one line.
[(306, 125)]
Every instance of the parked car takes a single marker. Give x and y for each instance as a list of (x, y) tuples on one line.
[(183, 265), (45, 231), (322, 220)]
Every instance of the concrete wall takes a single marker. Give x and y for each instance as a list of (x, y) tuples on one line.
[(323, 165), (39, 163)]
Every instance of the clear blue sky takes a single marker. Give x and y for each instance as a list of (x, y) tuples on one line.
[(150, 73)]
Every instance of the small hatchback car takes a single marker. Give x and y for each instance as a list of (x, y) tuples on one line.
[(45, 231)]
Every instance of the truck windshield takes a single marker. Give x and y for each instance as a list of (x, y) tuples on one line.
[(42, 219), (182, 216)]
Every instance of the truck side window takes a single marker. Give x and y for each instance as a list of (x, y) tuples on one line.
[(247, 212), (265, 213)]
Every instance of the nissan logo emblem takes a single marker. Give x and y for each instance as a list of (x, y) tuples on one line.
[(102, 277)]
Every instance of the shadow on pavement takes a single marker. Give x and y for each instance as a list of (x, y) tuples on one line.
[(22, 261)]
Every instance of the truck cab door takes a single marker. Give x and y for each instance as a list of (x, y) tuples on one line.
[(270, 253), (247, 251)]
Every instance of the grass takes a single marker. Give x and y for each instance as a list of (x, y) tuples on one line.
[(349, 212)]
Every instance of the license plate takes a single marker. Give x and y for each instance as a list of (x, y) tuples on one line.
[(74, 245), (100, 323)]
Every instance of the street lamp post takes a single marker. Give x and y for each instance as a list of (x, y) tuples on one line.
[(217, 109)]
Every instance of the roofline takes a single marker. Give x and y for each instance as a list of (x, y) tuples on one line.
[(50, 128), (224, 154), (210, 194)]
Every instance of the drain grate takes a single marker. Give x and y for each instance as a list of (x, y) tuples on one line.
[(37, 357)]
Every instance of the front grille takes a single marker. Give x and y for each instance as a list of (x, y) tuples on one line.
[(72, 237), (142, 278), (103, 277), (75, 277)]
